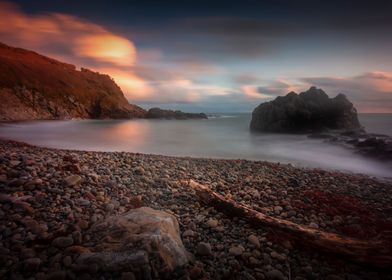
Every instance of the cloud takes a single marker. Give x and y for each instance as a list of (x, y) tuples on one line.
[(87, 44), (64, 35), (276, 88), (107, 48), (370, 91), (74, 40)]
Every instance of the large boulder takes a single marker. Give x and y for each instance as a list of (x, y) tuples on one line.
[(143, 241), (309, 111)]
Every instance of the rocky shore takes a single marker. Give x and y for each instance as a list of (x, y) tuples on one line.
[(55, 205)]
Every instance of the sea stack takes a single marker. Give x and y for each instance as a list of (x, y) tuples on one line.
[(307, 112)]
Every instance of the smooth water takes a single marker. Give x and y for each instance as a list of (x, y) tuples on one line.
[(227, 136)]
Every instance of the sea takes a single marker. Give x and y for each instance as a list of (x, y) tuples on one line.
[(220, 136)]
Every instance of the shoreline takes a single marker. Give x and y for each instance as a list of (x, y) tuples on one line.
[(294, 165), (350, 204)]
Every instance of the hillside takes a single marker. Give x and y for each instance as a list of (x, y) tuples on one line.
[(33, 86)]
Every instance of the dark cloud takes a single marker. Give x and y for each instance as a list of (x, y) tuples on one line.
[(275, 88), (246, 78), (371, 91)]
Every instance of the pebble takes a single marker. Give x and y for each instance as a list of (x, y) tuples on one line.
[(275, 275), (32, 264), (212, 223), (314, 225), (195, 272), (73, 180), (204, 249), (277, 256), (189, 233), (236, 250), (62, 242), (128, 276), (254, 240), (219, 246)]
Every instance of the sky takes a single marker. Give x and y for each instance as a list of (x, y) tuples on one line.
[(216, 56)]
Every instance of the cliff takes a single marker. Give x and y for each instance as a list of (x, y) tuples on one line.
[(309, 111), (33, 86)]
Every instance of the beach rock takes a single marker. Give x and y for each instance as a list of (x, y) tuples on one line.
[(204, 249), (137, 238), (189, 233), (254, 240), (309, 111), (275, 275), (72, 180), (212, 223), (128, 276), (32, 264), (62, 242), (236, 250)]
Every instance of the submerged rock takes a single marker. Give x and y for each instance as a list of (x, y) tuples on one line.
[(309, 111), (136, 239)]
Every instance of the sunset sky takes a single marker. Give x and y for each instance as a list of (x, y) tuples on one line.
[(216, 56)]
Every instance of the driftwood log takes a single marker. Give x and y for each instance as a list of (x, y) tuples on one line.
[(377, 253)]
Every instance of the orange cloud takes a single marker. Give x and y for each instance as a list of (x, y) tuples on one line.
[(73, 40), (87, 44), (107, 48)]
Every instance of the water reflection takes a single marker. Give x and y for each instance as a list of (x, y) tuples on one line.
[(216, 138)]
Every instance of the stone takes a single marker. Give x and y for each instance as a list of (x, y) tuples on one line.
[(14, 163), (72, 180), (56, 275), (62, 242), (314, 225), (309, 111), (275, 275), (212, 223), (236, 250), (204, 249), (254, 240), (83, 202), (128, 276), (277, 256), (189, 233), (32, 264), (67, 261), (75, 249), (195, 272), (155, 232), (278, 209)]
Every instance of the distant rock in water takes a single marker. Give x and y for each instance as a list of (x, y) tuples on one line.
[(309, 111), (157, 113), (33, 86)]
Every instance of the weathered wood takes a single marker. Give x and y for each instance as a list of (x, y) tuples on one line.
[(377, 253)]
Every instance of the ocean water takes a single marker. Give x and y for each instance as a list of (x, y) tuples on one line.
[(227, 136)]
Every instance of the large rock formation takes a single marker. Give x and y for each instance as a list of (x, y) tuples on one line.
[(309, 111), (157, 113), (33, 86), (144, 241)]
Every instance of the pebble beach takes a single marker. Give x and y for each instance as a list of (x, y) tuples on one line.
[(49, 198)]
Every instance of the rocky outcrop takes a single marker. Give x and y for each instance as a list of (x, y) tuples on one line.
[(309, 111), (136, 240), (157, 113), (33, 86), (368, 144)]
